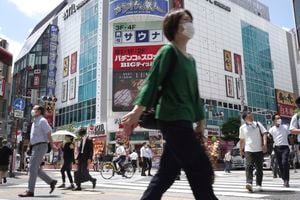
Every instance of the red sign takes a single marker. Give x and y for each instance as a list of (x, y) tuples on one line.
[(286, 110), (73, 62), (36, 80), (134, 57)]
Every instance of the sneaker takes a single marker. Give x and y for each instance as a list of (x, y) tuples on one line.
[(249, 187), (52, 186), (258, 188)]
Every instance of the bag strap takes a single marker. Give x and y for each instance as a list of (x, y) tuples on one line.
[(170, 69), (258, 126)]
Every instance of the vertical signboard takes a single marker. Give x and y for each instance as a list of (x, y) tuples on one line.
[(53, 41), (73, 63), (285, 103), (72, 91)]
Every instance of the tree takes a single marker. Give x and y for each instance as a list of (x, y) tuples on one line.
[(230, 129)]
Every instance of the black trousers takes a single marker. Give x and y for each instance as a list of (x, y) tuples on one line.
[(145, 164), (282, 156), (67, 167), (254, 159), (182, 150), (82, 174), (121, 160)]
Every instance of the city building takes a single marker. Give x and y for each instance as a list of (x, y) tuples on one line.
[(93, 56), (6, 59), (296, 4)]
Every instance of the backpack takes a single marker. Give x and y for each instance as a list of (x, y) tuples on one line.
[(270, 141)]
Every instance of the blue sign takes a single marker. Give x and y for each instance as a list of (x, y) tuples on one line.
[(120, 8), (19, 104), (142, 36)]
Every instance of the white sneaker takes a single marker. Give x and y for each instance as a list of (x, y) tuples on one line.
[(258, 188), (249, 187)]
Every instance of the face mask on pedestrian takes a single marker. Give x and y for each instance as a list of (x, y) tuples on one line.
[(188, 29), (278, 121), (33, 113)]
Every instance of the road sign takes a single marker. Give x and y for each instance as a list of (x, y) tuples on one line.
[(19, 104), (19, 113)]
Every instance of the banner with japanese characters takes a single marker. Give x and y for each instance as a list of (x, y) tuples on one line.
[(285, 103), (134, 57), (126, 33), (121, 8)]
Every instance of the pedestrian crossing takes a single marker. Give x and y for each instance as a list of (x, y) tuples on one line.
[(225, 185)]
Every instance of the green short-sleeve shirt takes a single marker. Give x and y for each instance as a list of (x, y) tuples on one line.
[(180, 98)]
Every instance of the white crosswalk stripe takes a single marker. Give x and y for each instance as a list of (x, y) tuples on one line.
[(225, 185)]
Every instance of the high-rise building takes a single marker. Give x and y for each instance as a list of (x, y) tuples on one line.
[(296, 4)]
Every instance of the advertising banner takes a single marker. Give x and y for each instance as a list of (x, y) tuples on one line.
[(229, 86), (72, 92), (2, 88), (134, 57), (177, 4), (121, 8), (73, 63), (237, 63), (285, 103), (227, 61), (64, 94), (137, 32), (125, 88), (36, 80), (53, 42), (66, 67)]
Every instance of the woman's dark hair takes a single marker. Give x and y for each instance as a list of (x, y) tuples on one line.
[(41, 109), (244, 114), (273, 116), (171, 22)]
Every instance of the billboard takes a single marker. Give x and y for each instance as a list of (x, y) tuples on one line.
[(64, 92), (66, 67), (134, 57), (72, 91), (227, 61), (285, 103), (73, 63), (121, 8)]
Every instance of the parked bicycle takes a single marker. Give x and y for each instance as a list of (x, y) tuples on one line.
[(108, 170)]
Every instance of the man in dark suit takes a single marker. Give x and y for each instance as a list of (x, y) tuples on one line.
[(84, 159)]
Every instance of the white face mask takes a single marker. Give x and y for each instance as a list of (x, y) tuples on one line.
[(188, 29), (32, 113), (278, 121)]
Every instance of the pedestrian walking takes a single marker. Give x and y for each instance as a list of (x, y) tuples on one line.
[(227, 161), (144, 158), (149, 159), (253, 144), (5, 158), (133, 158), (121, 158), (177, 109), (40, 136), (68, 156), (280, 134), (84, 159)]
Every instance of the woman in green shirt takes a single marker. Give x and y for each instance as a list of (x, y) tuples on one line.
[(178, 108)]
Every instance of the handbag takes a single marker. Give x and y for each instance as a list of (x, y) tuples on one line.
[(147, 119)]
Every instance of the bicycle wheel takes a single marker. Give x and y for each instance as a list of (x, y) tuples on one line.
[(107, 170), (129, 170)]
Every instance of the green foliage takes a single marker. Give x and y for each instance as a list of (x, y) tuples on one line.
[(230, 129)]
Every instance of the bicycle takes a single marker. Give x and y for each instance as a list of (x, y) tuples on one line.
[(108, 170)]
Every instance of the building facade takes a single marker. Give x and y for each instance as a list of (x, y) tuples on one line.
[(6, 59), (93, 56)]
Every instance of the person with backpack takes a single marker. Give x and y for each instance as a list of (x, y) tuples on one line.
[(179, 106), (253, 145), (295, 131), (280, 134)]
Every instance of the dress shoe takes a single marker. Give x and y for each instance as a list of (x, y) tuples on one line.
[(26, 194), (150, 175), (4, 180), (94, 183), (71, 187), (286, 184), (77, 189), (52, 186), (143, 174), (62, 186)]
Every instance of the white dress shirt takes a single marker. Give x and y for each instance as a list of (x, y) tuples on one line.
[(280, 135)]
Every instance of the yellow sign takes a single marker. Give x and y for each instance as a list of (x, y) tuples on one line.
[(285, 98)]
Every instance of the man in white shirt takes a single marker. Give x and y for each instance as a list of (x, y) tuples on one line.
[(149, 155), (295, 121), (144, 158), (121, 157), (133, 157), (280, 136), (253, 144)]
